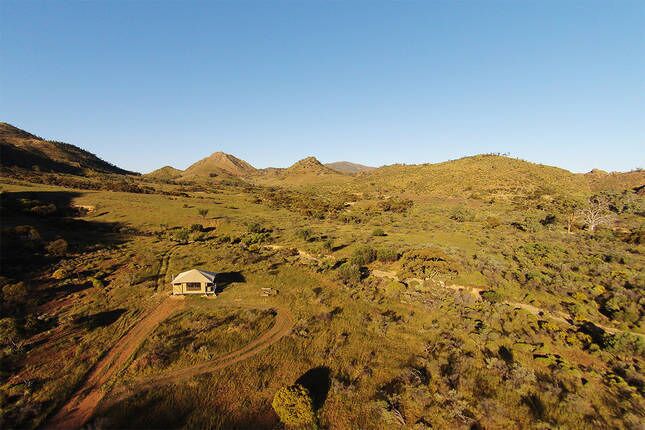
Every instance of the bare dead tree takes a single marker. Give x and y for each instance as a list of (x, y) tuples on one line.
[(596, 213)]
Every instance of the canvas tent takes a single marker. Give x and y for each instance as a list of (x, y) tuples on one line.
[(194, 281)]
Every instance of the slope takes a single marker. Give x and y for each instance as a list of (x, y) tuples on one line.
[(23, 150), (218, 164)]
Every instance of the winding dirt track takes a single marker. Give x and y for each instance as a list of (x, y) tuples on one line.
[(80, 408), (281, 327), (82, 405)]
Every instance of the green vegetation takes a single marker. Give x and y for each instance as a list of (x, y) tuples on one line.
[(491, 302), (294, 406)]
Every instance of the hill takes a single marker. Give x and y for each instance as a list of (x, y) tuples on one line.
[(348, 167), (600, 180), (479, 176), (23, 150), (306, 172), (165, 173), (218, 164), (310, 165)]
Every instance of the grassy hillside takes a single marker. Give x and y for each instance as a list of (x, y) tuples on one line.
[(165, 173), (218, 164), (304, 173), (465, 294), (19, 149), (481, 175)]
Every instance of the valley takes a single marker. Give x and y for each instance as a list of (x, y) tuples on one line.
[(482, 292)]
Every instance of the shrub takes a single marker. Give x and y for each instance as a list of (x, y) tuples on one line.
[(294, 406), (491, 296), (387, 254), (428, 263), (16, 294), (58, 247), (60, 274), (363, 255), (254, 238), (44, 210), (625, 343), (378, 232), (202, 212), (493, 222), (196, 227), (461, 215), (349, 273), (395, 205), (304, 234), (96, 282), (182, 235), (9, 334), (258, 228), (328, 245)]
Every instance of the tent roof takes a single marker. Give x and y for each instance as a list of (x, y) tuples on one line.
[(195, 275)]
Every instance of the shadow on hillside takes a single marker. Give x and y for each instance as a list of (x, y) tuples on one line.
[(224, 279), (178, 406), (101, 319), (317, 381), (49, 215)]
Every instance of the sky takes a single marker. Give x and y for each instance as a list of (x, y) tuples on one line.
[(144, 84)]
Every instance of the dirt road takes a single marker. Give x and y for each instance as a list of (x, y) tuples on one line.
[(80, 408), (281, 327), (83, 403)]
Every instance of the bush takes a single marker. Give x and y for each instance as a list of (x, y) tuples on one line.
[(15, 294), (395, 205), (96, 282), (304, 234), (493, 222), (58, 247), (258, 228), (9, 334), (363, 255), (44, 210), (255, 238), (349, 273), (196, 227), (378, 232), (182, 235), (328, 245), (625, 343), (428, 263), (387, 255), (462, 215), (294, 406), (60, 274), (202, 212), (491, 296)]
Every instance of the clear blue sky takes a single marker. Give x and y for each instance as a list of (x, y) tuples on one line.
[(144, 84)]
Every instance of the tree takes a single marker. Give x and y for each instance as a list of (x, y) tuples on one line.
[(202, 212), (596, 213), (294, 406)]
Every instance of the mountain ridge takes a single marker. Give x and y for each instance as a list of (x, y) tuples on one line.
[(23, 150), (218, 164)]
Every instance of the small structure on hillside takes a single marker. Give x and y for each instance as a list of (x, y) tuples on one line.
[(194, 281)]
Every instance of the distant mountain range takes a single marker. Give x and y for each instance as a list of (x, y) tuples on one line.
[(491, 174), (349, 168)]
